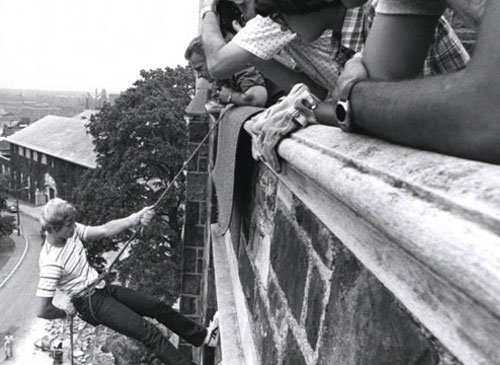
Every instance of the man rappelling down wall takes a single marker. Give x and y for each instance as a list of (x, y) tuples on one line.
[(64, 266)]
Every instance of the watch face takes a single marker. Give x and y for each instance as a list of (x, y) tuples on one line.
[(341, 112)]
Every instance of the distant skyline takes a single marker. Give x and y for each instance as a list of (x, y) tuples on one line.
[(78, 45)]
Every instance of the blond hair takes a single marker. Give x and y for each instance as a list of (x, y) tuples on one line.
[(55, 214)]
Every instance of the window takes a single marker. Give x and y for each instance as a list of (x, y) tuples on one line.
[(21, 151), (44, 159), (35, 156)]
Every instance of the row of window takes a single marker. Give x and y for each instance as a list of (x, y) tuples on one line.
[(33, 155)]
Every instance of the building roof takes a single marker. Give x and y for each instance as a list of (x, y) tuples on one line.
[(61, 137)]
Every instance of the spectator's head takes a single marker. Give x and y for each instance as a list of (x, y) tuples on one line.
[(58, 216), (308, 18), (247, 7), (197, 60)]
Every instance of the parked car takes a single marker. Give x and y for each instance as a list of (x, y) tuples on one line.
[(11, 207)]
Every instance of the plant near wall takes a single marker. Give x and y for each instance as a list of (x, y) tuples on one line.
[(7, 222), (140, 143)]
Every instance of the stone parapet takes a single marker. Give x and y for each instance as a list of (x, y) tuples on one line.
[(364, 252)]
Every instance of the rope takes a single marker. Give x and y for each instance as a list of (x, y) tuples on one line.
[(104, 274), (71, 338)]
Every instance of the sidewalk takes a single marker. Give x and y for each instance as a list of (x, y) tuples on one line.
[(31, 210), (13, 257), (24, 349)]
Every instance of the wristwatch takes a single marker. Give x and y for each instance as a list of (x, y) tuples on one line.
[(205, 10), (343, 107)]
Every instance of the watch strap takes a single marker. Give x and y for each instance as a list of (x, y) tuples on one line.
[(345, 93), (343, 107), (205, 10)]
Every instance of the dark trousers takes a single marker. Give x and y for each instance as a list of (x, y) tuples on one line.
[(122, 310)]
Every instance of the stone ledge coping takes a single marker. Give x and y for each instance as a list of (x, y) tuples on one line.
[(236, 342), (427, 225)]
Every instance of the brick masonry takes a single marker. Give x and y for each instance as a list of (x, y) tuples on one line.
[(311, 300), (192, 302)]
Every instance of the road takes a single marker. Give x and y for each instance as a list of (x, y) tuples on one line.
[(17, 297)]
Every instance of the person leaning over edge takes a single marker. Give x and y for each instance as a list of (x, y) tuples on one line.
[(259, 43), (246, 87), (64, 266), (309, 19), (456, 114), (440, 52)]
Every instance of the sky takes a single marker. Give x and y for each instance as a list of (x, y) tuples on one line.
[(81, 45)]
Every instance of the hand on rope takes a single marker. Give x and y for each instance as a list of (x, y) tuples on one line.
[(143, 216), (70, 310)]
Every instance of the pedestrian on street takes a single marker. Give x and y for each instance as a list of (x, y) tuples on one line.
[(64, 266), (8, 344)]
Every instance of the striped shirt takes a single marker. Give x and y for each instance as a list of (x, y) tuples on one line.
[(324, 59), (65, 268)]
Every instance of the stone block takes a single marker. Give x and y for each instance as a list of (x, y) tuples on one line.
[(315, 300), (322, 240), (202, 213), (193, 165), (192, 215), (289, 260), (196, 187), (196, 131), (191, 284), (199, 266), (194, 236), (277, 306), (202, 164), (364, 324), (189, 260), (293, 355), (264, 339), (188, 305)]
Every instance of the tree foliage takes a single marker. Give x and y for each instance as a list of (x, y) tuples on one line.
[(140, 143), (7, 222)]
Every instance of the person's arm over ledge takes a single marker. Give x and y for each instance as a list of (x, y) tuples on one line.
[(456, 114), (253, 96), (223, 59)]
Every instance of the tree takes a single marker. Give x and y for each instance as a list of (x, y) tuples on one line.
[(140, 143), (7, 222)]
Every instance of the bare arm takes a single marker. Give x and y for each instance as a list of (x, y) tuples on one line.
[(286, 78), (116, 226), (254, 96), (47, 310), (455, 114), (396, 46), (223, 59)]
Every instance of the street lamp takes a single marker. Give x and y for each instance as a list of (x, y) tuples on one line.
[(18, 191)]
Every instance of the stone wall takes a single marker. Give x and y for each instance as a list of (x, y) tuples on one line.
[(195, 231), (311, 301)]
